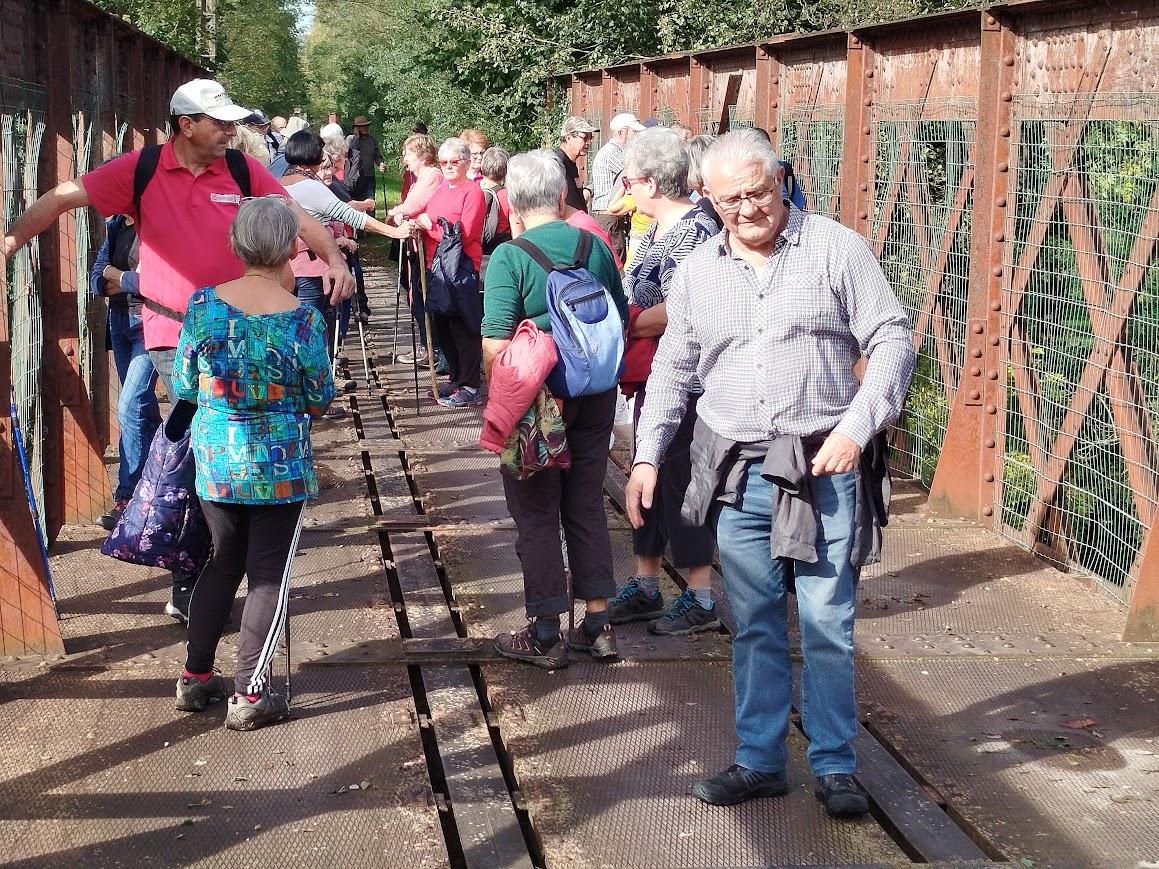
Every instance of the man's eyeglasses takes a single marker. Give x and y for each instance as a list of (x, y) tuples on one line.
[(628, 182), (221, 125), (587, 137), (732, 204), (451, 163)]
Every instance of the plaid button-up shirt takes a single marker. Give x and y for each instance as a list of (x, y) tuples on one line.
[(607, 166), (775, 350)]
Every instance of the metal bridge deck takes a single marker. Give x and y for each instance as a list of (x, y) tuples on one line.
[(1024, 729)]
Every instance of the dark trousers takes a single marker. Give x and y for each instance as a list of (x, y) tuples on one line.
[(411, 282), (616, 226), (574, 497), (691, 547), (462, 348), (310, 291), (257, 542)]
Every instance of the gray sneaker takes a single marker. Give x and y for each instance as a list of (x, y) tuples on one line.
[(193, 695), (685, 616), (246, 714), (633, 604)]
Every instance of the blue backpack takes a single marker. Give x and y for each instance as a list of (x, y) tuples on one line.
[(586, 327), (792, 191)]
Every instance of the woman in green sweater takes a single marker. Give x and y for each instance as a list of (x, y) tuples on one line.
[(516, 290)]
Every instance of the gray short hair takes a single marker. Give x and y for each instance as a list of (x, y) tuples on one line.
[(741, 148), (696, 148), (659, 154), (336, 149), (454, 147), (535, 181), (494, 166), (264, 232)]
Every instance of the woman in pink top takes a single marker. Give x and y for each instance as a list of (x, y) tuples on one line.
[(419, 156), (458, 200)]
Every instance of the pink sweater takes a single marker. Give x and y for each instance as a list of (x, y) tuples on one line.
[(516, 376)]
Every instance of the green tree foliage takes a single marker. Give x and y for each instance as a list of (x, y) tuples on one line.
[(177, 23), (260, 57)]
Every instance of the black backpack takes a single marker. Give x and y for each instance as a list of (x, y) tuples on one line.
[(147, 168), (453, 283), (492, 238)]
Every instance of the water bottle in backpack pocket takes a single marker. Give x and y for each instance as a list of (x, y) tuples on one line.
[(585, 325)]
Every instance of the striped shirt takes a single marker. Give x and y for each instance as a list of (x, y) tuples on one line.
[(650, 272), (606, 169), (775, 350)]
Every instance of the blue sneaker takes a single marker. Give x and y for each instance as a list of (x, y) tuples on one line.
[(633, 604), (685, 616), (464, 396)]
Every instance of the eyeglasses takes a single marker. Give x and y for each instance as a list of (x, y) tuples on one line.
[(277, 197), (758, 199), (587, 137), (221, 125), (628, 182), (450, 162), (477, 153)]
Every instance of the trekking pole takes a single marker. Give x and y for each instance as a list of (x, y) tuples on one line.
[(397, 301), (362, 342), (289, 689), (18, 436), (422, 251)]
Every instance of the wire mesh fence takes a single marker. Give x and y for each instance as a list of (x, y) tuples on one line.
[(1081, 322), (813, 139), (22, 124), (740, 119), (922, 196)]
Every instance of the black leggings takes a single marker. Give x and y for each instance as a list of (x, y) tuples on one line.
[(257, 542), (462, 348)]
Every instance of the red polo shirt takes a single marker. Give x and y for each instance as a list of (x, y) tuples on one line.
[(185, 231)]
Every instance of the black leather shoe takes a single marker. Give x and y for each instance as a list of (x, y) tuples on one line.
[(737, 784), (842, 796)]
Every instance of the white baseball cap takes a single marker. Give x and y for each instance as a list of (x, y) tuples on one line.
[(627, 119), (203, 96)]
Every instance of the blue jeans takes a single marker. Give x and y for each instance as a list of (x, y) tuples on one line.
[(826, 595), (309, 291), (138, 414)]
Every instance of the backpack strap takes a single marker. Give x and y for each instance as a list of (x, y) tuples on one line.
[(583, 249), (533, 251), (240, 170), (143, 174)]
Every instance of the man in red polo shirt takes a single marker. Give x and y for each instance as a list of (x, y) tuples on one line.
[(186, 212)]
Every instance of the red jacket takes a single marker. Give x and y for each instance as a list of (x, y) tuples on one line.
[(516, 376)]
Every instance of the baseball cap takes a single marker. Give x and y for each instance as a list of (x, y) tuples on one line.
[(203, 96), (256, 119), (627, 119), (575, 124), (650, 123)]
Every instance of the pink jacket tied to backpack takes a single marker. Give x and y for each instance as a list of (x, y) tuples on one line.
[(516, 376)]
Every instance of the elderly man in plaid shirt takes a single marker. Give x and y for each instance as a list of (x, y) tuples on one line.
[(769, 318)]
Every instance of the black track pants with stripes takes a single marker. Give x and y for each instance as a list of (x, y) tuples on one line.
[(257, 542)]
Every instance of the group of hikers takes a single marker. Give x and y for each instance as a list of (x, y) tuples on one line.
[(683, 275)]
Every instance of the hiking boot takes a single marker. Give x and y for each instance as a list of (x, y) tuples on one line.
[(109, 520), (685, 616), (246, 714), (633, 604), (602, 648), (737, 784), (177, 607), (524, 646), (193, 695), (464, 396), (334, 413), (842, 795)]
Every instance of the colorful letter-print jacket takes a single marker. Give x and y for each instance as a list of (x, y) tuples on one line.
[(255, 378)]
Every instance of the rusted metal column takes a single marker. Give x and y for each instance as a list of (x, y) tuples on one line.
[(607, 103), (966, 480), (647, 92), (699, 82), (76, 485), (1143, 616), (857, 162), (767, 93), (143, 104)]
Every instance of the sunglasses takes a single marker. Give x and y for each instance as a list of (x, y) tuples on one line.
[(628, 182), (450, 162)]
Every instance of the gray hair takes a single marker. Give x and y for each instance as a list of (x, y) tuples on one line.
[(336, 149), (264, 232), (494, 166), (696, 148), (455, 147), (535, 181), (659, 154), (741, 148)]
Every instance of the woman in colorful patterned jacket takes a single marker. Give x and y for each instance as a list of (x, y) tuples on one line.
[(255, 360)]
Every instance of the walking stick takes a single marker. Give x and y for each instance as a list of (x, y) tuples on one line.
[(18, 436), (362, 342), (422, 252), (397, 301)]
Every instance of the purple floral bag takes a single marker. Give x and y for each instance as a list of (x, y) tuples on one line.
[(163, 525)]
